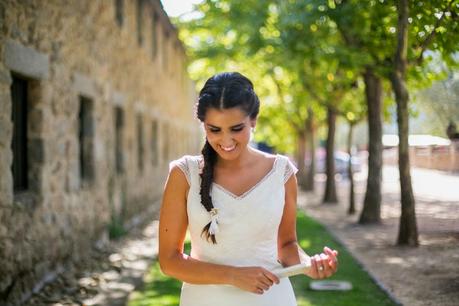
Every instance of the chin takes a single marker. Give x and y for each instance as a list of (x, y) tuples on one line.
[(228, 155)]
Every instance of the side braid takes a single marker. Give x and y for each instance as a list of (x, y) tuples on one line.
[(207, 177), (222, 91)]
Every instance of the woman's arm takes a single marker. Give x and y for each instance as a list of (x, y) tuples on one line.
[(290, 253), (173, 224)]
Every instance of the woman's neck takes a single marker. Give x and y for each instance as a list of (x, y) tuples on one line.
[(245, 158)]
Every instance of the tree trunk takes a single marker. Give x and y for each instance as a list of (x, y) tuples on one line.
[(408, 233), (300, 158), (371, 212), (330, 187), (350, 172), (309, 184)]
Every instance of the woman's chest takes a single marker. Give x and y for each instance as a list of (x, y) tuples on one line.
[(260, 209)]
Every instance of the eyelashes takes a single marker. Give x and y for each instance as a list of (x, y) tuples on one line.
[(233, 130)]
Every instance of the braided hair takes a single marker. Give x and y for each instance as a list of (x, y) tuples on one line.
[(222, 91)]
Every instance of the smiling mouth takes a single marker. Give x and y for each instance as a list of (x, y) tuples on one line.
[(228, 149)]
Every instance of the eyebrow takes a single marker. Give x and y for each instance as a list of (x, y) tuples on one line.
[(216, 127)]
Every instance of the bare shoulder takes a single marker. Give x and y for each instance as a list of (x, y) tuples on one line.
[(176, 174), (264, 156), (177, 180)]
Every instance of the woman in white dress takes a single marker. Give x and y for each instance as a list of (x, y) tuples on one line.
[(239, 205)]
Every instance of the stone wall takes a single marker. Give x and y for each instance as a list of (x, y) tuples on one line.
[(118, 57), (443, 158)]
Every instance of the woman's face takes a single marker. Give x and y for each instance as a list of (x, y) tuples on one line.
[(228, 131)]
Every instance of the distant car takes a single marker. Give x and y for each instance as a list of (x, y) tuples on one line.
[(341, 163)]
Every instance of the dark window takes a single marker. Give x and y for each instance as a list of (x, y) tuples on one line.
[(154, 143), (140, 144), (19, 141), (165, 137), (119, 11), (86, 139), (153, 35), (139, 13), (119, 123)]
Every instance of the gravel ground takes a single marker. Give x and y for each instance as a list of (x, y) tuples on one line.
[(107, 276)]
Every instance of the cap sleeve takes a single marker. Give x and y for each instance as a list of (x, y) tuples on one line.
[(182, 164), (290, 169)]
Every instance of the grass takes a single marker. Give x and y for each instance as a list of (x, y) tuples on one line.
[(160, 290)]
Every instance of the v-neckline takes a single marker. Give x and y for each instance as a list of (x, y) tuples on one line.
[(251, 189)]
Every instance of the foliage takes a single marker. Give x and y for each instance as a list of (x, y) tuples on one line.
[(302, 54), (116, 228), (438, 105)]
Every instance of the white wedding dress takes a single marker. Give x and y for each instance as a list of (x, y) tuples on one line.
[(248, 227)]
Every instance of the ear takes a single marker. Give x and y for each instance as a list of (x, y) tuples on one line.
[(253, 122)]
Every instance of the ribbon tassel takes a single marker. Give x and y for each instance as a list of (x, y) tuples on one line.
[(213, 229)]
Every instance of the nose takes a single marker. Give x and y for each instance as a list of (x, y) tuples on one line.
[(227, 140)]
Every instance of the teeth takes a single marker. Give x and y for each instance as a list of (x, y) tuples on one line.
[(228, 148)]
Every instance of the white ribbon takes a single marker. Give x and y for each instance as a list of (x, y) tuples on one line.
[(213, 229)]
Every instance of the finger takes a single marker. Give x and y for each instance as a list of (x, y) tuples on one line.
[(258, 291), (332, 256), (314, 267), (272, 277), (325, 263), (265, 282), (331, 253), (320, 267), (263, 286)]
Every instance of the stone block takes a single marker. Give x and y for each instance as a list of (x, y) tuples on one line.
[(84, 85), (118, 98), (5, 104), (26, 60), (6, 131), (5, 77), (36, 150)]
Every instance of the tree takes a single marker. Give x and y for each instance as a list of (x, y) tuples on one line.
[(435, 21), (218, 39), (353, 111)]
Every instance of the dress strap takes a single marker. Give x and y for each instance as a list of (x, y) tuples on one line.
[(286, 167), (184, 165)]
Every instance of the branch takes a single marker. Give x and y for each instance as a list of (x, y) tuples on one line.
[(424, 44), (311, 91), (281, 97)]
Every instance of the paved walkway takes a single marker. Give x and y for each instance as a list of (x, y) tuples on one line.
[(107, 277)]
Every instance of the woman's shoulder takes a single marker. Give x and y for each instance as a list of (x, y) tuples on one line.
[(283, 163), (185, 163), (186, 159), (273, 156)]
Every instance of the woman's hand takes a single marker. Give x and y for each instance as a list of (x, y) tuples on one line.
[(253, 279), (323, 265)]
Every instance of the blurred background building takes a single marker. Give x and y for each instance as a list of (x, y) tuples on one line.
[(95, 101)]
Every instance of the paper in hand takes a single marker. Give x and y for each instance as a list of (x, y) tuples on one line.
[(293, 270)]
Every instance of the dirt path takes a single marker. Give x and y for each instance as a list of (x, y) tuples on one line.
[(427, 275)]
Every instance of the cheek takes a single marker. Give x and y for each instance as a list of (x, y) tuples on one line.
[(211, 137), (245, 134)]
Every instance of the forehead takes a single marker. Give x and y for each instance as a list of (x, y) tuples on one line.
[(225, 117)]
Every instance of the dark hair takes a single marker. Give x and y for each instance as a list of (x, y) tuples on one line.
[(222, 91)]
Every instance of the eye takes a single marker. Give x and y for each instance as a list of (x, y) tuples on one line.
[(214, 130), (238, 129)]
